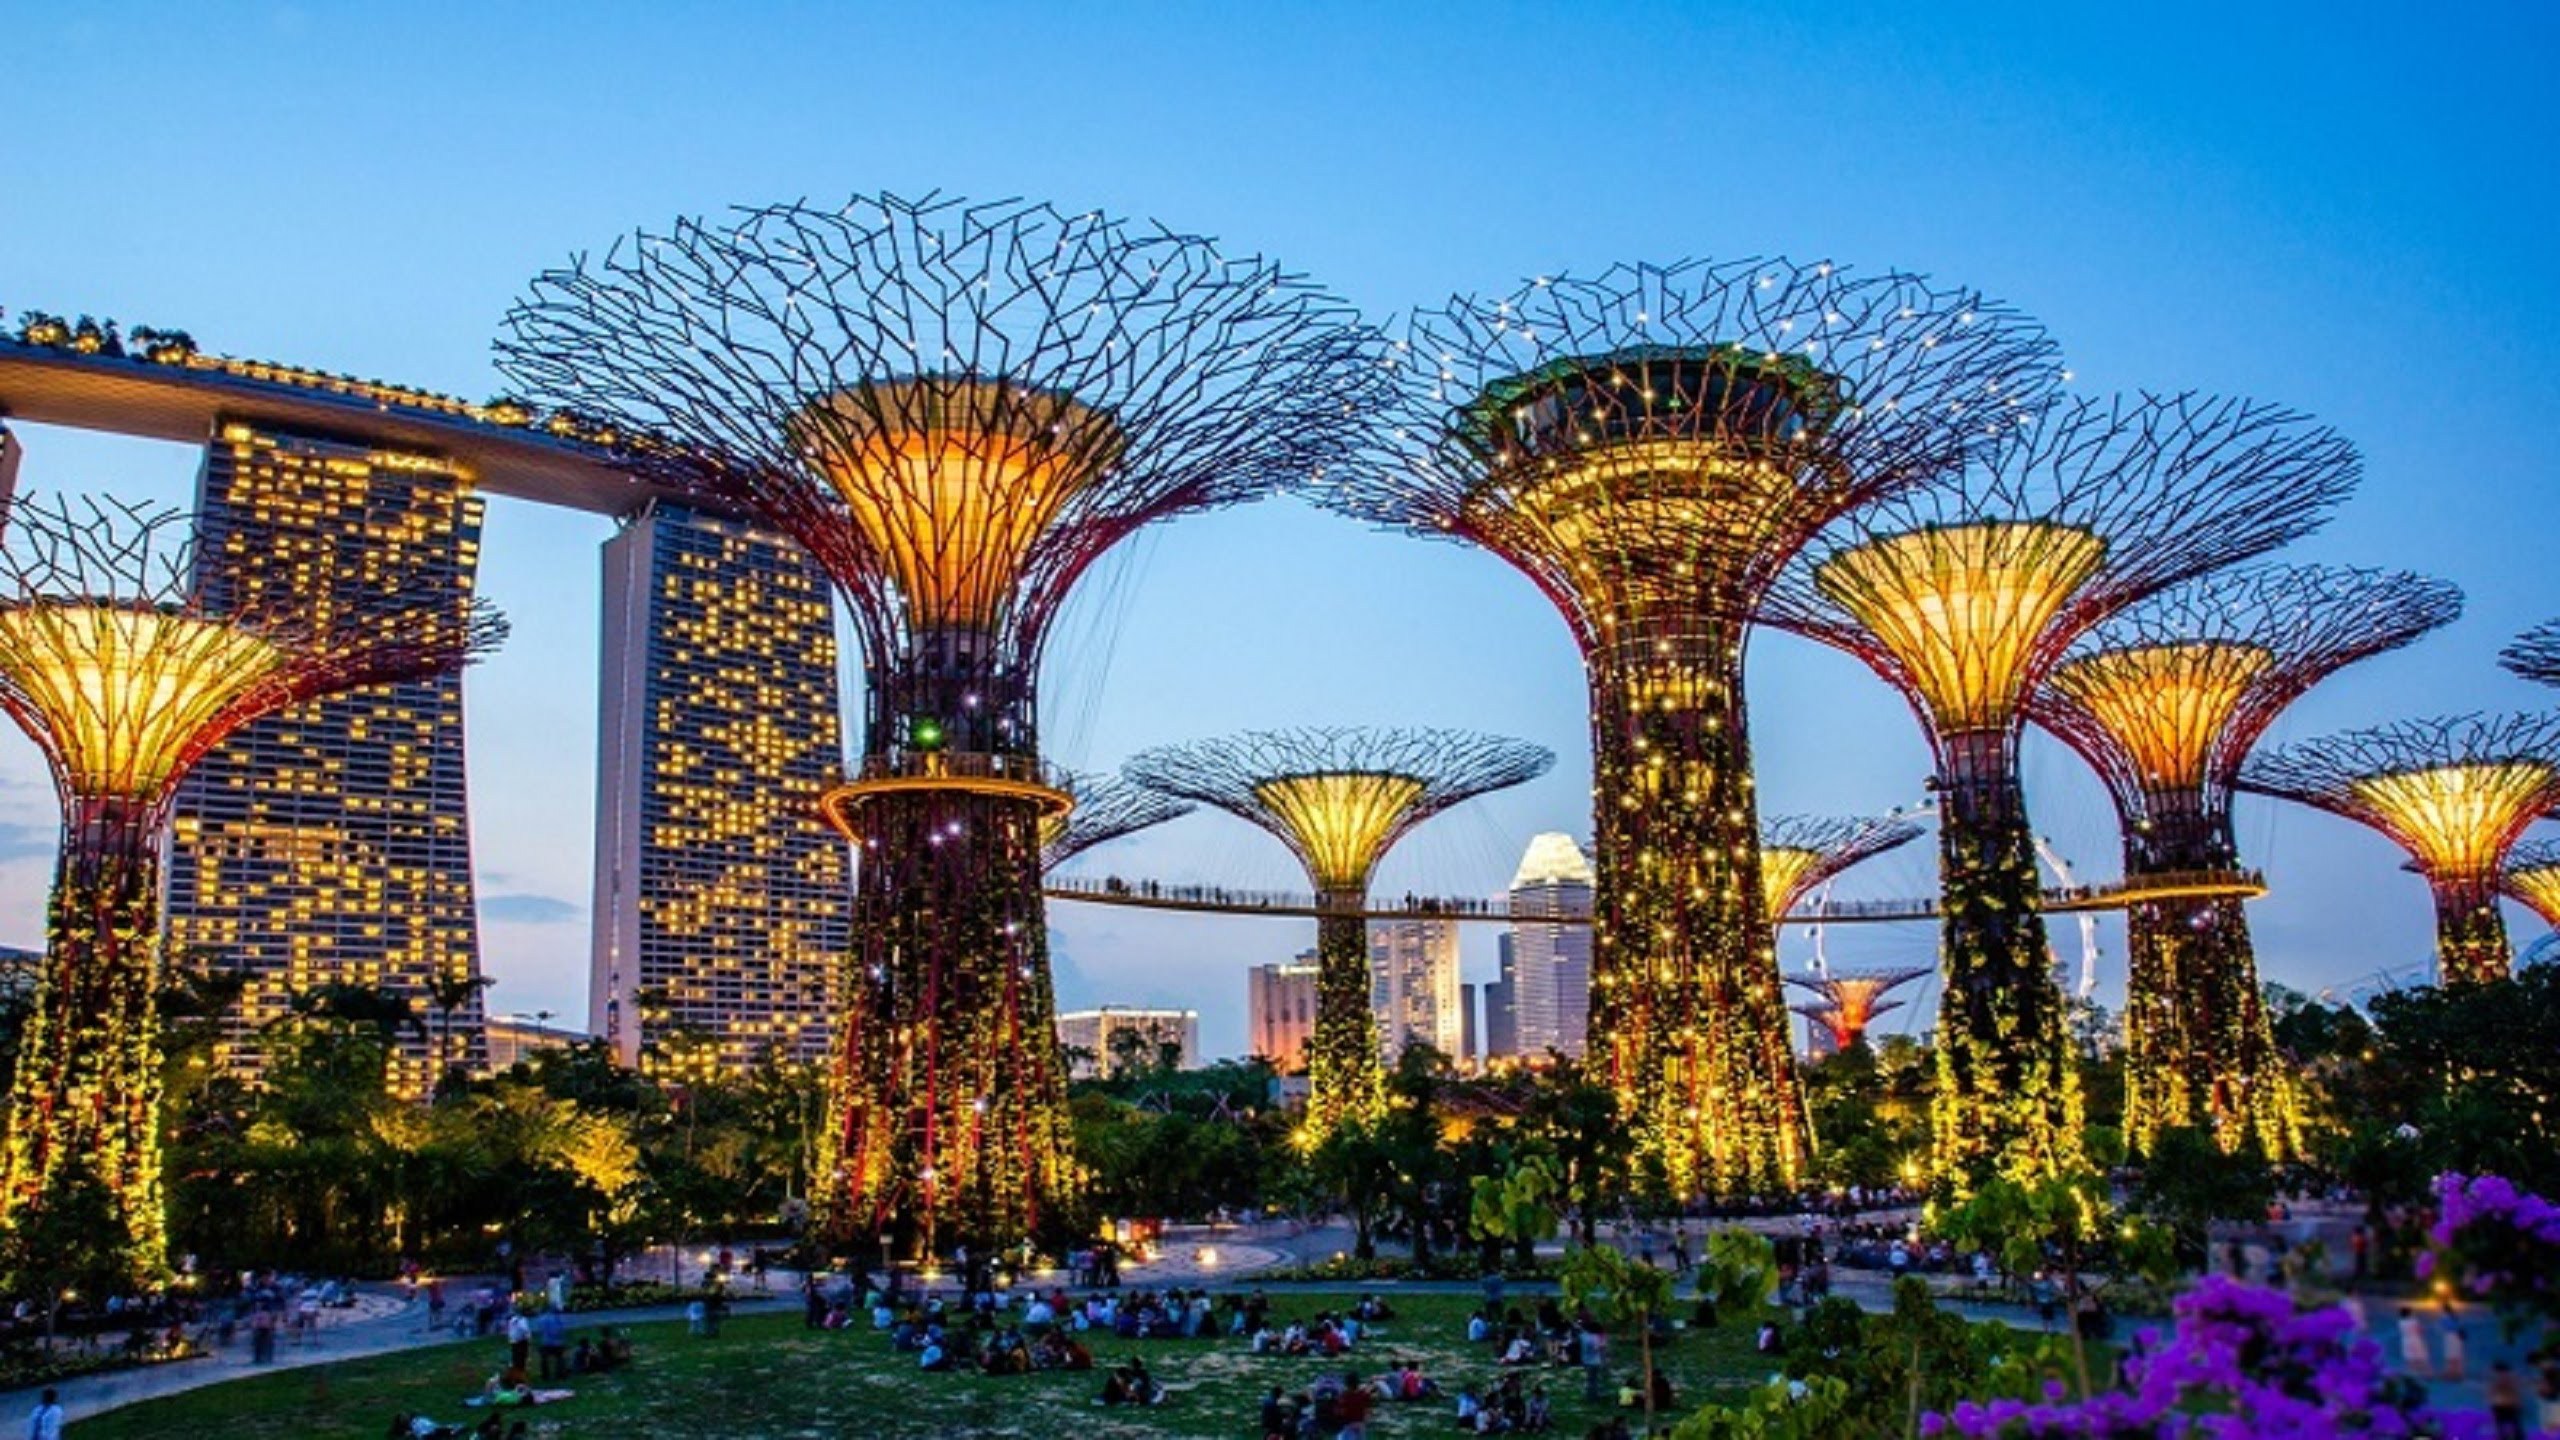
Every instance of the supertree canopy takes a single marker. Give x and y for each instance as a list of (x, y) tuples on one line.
[(2456, 793), (1963, 595), (1340, 798), (2532, 875), (2165, 700), (956, 408), (1649, 447), (2535, 655), (125, 675), (1850, 1000), (1107, 807), (1800, 853)]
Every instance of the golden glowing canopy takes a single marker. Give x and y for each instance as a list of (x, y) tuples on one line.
[(2539, 887), (952, 480), (1650, 521), (2456, 820), (1342, 820), (1783, 869), (1962, 607), (123, 692), (2165, 705)]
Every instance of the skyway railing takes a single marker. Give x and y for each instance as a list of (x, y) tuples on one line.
[(1224, 900)]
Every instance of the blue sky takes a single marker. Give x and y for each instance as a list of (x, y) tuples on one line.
[(2347, 208)]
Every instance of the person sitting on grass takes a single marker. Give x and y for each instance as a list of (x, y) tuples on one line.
[(1370, 1310), (935, 1356), (1130, 1384), (1480, 1327), (419, 1427), (1408, 1383)]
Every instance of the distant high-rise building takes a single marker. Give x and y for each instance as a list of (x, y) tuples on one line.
[(1413, 985), (329, 844), (1501, 1020), (720, 897), (1117, 1039), (1467, 1032), (1280, 1011), (1550, 960)]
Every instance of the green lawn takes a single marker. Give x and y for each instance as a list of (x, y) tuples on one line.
[(767, 1378)]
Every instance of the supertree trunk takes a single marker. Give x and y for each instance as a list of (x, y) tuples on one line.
[(87, 1089), (948, 1099), (1344, 1079), (2008, 1097), (1686, 1011), (2471, 936), (2199, 1052)]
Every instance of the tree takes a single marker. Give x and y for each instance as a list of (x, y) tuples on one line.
[(1516, 1207), (1620, 1290), (2189, 1181), (449, 993), (1576, 1120)]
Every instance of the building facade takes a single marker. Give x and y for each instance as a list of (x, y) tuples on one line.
[(1501, 1023), (1550, 980), (1280, 1011), (1118, 1039), (1468, 1038), (330, 843), (1413, 986), (721, 899)]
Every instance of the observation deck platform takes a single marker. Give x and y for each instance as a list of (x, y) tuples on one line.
[(1220, 900)]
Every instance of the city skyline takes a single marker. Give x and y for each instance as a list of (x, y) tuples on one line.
[(2229, 222)]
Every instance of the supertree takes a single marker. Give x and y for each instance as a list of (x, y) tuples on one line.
[(1963, 595), (1107, 807), (2456, 793), (2532, 875), (1649, 447), (1340, 798), (125, 674), (2535, 655), (2165, 699), (956, 408), (1852, 999), (1799, 853)]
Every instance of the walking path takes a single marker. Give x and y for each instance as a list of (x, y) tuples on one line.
[(383, 1323)]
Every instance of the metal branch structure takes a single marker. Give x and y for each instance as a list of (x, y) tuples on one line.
[(2165, 699), (125, 674), (956, 408), (1107, 808), (1799, 854), (1850, 1000), (1649, 446), (2456, 793), (2535, 655), (1340, 799), (1964, 595), (2532, 875)]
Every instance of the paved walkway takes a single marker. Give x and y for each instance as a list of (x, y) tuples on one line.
[(382, 1323)]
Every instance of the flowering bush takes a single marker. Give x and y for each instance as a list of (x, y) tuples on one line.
[(2503, 1244), (2242, 1361)]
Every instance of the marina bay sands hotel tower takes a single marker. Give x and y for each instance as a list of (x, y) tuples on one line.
[(331, 844)]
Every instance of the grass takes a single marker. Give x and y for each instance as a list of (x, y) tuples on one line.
[(767, 1378)]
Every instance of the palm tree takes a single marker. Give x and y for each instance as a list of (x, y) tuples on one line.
[(448, 993)]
